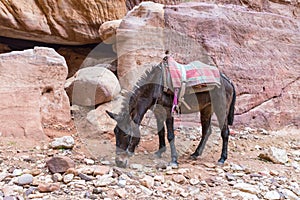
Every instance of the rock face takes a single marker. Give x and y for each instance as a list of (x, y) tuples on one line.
[(59, 22), (32, 92), (255, 49)]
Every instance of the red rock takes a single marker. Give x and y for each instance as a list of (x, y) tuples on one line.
[(72, 22), (32, 97), (48, 187), (259, 52), (60, 164)]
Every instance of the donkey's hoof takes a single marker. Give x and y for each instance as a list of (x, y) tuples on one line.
[(173, 164), (194, 156), (157, 154), (221, 162)]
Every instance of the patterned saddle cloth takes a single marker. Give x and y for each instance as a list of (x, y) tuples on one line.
[(194, 74)]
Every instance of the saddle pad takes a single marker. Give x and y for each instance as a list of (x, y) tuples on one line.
[(196, 73)]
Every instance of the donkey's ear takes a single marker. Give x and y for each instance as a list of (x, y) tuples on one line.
[(112, 115)]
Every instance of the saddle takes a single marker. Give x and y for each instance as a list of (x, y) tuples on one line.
[(187, 79)]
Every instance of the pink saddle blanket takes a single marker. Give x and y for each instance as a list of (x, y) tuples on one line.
[(194, 73)]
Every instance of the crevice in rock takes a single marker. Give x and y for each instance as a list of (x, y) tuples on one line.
[(268, 99)]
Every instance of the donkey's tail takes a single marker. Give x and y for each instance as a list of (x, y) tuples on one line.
[(230, 116)]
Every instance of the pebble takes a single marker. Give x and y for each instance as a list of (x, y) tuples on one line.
[(86, 177), (159, 178), (57, 177), (66, 142), (17, 172), (68, 178), (48, 187), (179, 178), (194, 181), (25, 179), (137, 167), (89, 161), (103, 181), (245, 187), (122, 193), (101, 170), (275, 155), (272, 195), (147, 181)]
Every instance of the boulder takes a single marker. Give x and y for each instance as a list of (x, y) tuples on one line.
[(32, 92), (139, 42), (92, 86), (108, 30), (59, 22), (257, 50)]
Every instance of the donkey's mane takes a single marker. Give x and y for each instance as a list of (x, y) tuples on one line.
[(130, 95)]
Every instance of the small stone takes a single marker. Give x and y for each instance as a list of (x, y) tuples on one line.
[(184, 171), (122, 183), (17, 172), (230, 177), (245, 187), (161, 165), (30, 191), (60, 164), (274, 173), (147, 181), (122, 193), (138, 167), (236, 167), (3, 175), (160, 178), (244, 195), (179, 178), (209, 165), (275, 155), (25, 179), (48, 187), (103, 181), (97, 191), (68, 178), (36, 196), (194, 181), (89, 161), (101, 170), (85, 177), (146, 191), (35, 172), (288, 194), (89, 170), (105, 162), (57, 177), (272, 195), (66, 142)]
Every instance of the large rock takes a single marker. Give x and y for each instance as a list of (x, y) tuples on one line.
[(32, 92), (92, 86), (59, 22), (139, 42), (259, 51)]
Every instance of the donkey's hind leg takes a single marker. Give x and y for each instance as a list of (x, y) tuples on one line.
[(206, 114), (225, 138)]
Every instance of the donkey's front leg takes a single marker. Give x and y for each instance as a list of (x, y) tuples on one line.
[(161, 135), (171, 139)]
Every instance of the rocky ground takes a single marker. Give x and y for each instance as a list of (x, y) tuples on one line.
[(261, 165)]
